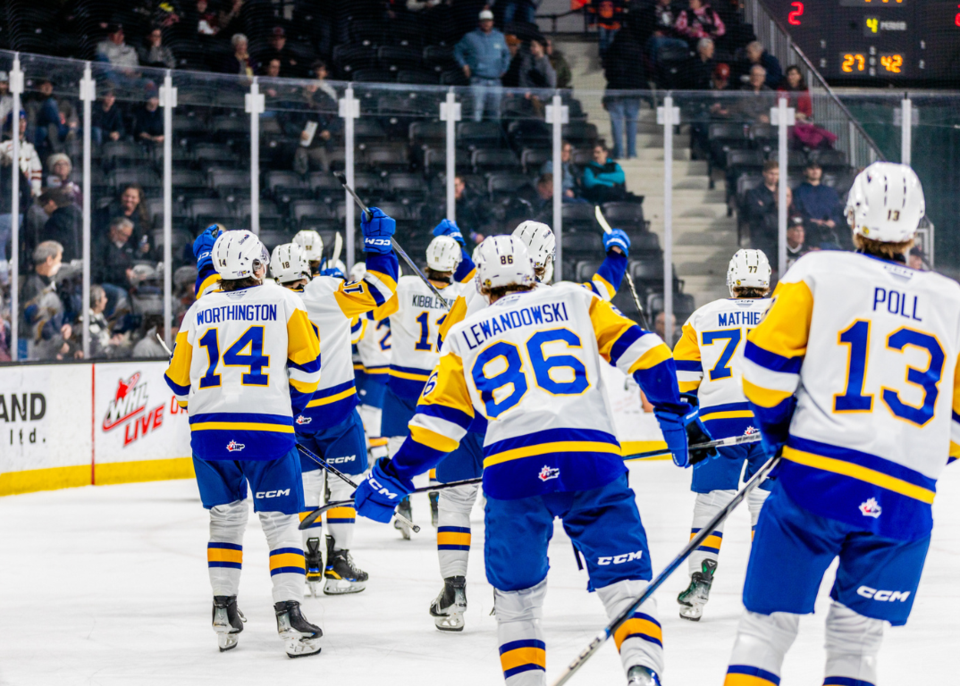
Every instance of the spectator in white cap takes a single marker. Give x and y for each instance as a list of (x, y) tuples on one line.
[(484, 58)]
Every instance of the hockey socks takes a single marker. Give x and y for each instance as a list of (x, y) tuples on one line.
[(453, 529), (640, 638)]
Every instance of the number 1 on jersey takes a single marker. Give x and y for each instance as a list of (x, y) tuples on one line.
[(857, 337), (235, 357)]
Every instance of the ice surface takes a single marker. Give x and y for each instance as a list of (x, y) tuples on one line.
[(108, 585)]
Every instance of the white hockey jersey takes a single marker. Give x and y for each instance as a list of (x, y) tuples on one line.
[(529, 364), (414, 326), (374, 348), (245, 362), (870, 349), (709, 357)]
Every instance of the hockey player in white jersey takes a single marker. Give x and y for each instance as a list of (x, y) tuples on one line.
[(330, 425), (415, 317), (853, 375), (311, 244), (530, 364), (709, 356), (246, 362), (454, 535)]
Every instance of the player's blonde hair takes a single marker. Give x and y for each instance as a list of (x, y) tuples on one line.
[(890, 251)]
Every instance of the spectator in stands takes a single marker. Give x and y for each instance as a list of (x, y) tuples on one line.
[(122, 57), (208, 20), (655, 27), (112, 260), (484, 58), (544, 201), (796, 236), (279, 50), (915, 259), (107, 119), (560, 65), (29, 159), (102, 344), (753, 106), (603, 179), (61, 168), (7, 169), (794, 87), (820, 207), (229, 16), (605, 15), (519, 10), (43, 322), (571, 176), (759, 206), (511, 78), (317, 127), (128, 205), (699, 21), (659, 326), (240, 62), (537, 72), (6, 99), (757, 54), (37, 216), (148, 120), (703, 66), (149, 346), (154, 54), (623, 70), (55, 122), (65, 226), (472, 210)]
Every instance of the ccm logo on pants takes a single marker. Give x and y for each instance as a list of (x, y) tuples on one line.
[(883, 596), (340, 460), (620, 559), (272, 494)]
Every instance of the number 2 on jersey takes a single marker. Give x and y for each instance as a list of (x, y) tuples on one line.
[(857, 337), (236, 357)]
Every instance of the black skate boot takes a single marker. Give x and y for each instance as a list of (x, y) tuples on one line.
[(698, 593), (227, 621), (447, 610), (434, 508), (300, 637), (314, 566), (341, 575), (407, 511), (639, 675)]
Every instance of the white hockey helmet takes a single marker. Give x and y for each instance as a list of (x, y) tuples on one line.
[(886, 203), (289, 264), (540, 241), (239, 254), (503, 261), (748, 269), (311, 244), (443, 254), (358, 271)]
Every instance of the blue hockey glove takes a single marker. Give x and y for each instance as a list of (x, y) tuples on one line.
[(449, 228), (378, 495), (377, 232), (682, 430), (617, 239), (333, 271), (203, 245)]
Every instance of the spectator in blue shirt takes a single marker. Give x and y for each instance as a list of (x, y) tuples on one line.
[(571, 177), (819, 206), (484, 58), (757, 54), (603, 179)]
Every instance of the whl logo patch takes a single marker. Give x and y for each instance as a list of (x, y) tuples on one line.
[(304, 420), (234, 447), (129, 400), (548, 473), (751, 430), (871, 508)]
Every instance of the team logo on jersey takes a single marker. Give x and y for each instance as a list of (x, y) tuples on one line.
[(751, 431), (304, 420), (548, 473), (871, 508), (234, 447)]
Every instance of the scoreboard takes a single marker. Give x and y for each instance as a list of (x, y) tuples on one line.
[(887, 41)]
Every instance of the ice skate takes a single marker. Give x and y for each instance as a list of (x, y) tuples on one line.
[(407, 511), (642, 676), (448, 609), (300, 637), (341, 575), (227, 621), (314, 562), (698, 593), (434, 508)]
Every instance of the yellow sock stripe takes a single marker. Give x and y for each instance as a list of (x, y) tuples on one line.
[(287, 560), (453, 538), (341, 513), (523, 656), (635, 626), (224, 555)]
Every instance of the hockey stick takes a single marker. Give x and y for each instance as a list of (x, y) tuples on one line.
[(396, 246), (605, 225), (163, 343), (658, 580), (336, 472), (315, 515), (719, 443)]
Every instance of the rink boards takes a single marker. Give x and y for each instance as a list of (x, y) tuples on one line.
[(72, 425)]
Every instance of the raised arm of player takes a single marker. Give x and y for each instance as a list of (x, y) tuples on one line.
[(606, 282), (379, 283)]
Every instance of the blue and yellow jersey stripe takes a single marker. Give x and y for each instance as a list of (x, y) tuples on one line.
[(407, 382), (466, 270), (378, 286), (688, 360), (177, 375), (606, 282), (329, 407)]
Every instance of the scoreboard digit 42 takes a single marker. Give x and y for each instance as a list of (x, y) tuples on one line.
[(886, 41)]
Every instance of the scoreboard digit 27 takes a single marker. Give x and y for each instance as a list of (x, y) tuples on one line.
[(885, 41)]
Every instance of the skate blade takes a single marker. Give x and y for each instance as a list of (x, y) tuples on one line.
[(692, 613), (313, 587), (226, 641), (343, 587), (296, 645), (452, 622)]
